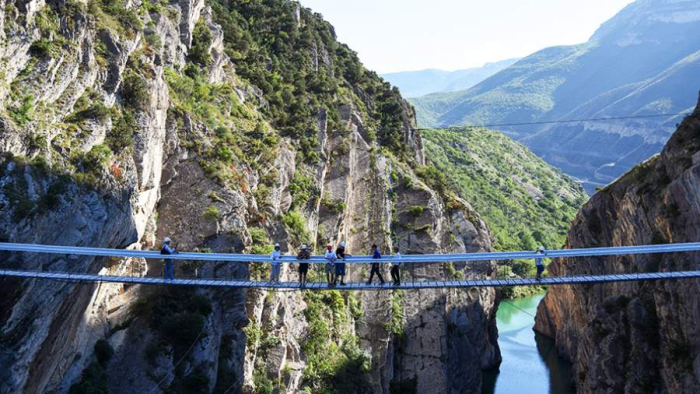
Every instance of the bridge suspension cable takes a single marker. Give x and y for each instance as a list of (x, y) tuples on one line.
[(435, 284), (564, 121), (425, 284), (416, 258)]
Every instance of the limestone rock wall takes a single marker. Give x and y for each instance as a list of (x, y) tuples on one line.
[(160, 186), (640, 336), (445, 338), (49, 328)]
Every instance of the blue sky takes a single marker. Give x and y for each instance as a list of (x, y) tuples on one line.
[(403, 35)]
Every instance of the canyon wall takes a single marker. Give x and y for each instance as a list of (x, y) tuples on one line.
[(125, 122), (638, 336)]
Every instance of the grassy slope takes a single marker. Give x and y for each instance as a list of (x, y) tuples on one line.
[(525, 201)]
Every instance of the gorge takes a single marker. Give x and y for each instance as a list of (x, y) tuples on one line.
[(231, 125)]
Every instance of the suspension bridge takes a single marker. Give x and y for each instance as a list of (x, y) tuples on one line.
[(354, 260)]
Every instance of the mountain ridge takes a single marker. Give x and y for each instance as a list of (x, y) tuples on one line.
[(421, 82), (645, 46)]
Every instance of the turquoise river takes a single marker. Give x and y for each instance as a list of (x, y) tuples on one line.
[(530, 361)]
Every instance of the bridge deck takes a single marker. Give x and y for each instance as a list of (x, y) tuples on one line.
[(64, 276)]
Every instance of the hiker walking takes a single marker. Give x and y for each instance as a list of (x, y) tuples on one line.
[(303, 267), (168, 270), (340, 263), (539, 261), (395, 266), (375, 266), (275, 262), (331, 257)]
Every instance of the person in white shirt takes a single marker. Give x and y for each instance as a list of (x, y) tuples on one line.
[(395, 266), (275, 262), (331, 257), (539, 262)]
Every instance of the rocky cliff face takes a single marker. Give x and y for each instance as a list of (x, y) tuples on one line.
[(642, 336), (631, 26), (121, 123)]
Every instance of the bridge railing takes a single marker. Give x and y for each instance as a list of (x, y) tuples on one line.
[(412, 275), (423, 258)]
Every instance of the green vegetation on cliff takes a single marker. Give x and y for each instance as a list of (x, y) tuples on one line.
[(338, 365), (302, 70), (525, 201)]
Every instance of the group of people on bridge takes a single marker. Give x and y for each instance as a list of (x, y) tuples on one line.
[(334, 267)]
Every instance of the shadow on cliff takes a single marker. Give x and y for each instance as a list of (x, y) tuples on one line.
[(447, 337)]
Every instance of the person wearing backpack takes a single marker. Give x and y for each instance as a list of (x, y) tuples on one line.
[(168, 270), (303, 255), (375, 266)]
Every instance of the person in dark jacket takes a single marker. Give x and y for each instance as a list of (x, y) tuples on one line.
[(303, 267), (168, 271), (340, 263), (375, 266)]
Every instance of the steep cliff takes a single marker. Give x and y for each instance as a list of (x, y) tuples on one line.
[(224, 125), (642, 336)]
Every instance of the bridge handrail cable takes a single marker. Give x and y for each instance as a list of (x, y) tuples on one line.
[(414, 258)]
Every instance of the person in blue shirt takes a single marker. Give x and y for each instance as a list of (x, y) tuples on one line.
[(331, 257), (375, 266), (168, 271)]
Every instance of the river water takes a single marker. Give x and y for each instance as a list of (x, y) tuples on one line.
[(530, 361)]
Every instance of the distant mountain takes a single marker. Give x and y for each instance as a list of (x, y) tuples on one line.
[(420, 83), (644, 61)]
